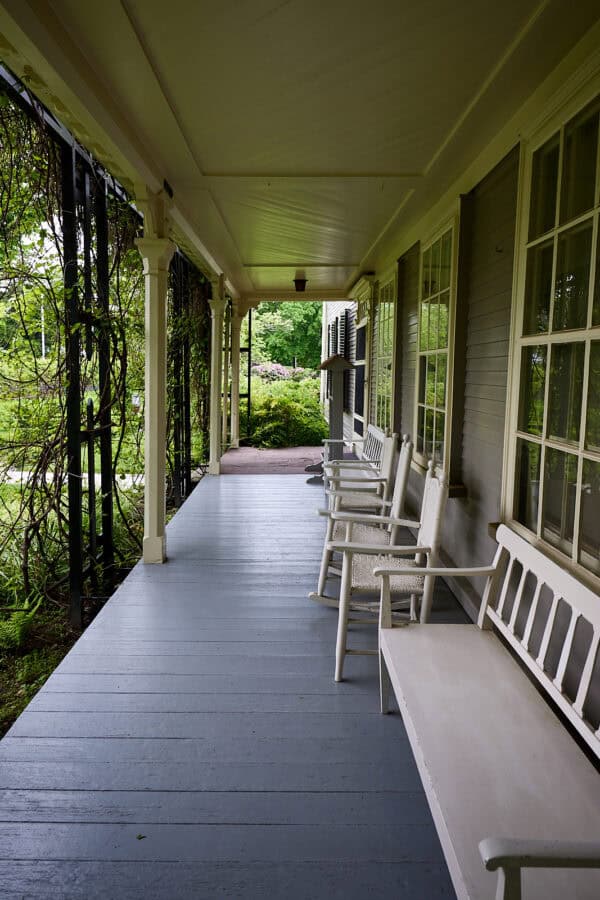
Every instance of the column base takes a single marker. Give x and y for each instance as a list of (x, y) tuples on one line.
[(155, 549), (214, 468)]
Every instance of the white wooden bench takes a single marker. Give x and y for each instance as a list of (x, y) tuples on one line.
[(509, 788)]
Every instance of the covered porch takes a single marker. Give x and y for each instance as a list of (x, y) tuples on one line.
[(193, 743)]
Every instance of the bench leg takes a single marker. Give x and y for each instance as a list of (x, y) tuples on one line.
[(509, 884), (385, 685), (343, 609)]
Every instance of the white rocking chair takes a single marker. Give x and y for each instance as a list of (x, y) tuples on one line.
[(360, 559), (363, 486), (369, 530)]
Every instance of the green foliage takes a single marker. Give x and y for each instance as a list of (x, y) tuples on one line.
[(24, 670), (287, 413), (287, 333), (16, 627)]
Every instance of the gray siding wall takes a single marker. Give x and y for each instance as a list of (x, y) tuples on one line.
[(486, 259)]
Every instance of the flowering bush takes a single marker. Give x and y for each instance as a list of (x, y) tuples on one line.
[(275, 371)]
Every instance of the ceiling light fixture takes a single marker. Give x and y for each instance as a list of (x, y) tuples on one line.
[(300, 284)]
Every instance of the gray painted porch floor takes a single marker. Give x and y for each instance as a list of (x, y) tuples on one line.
[(193, 744)]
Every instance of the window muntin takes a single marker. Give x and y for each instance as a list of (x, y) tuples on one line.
[(382, 358), (433, 347), (557, 450)]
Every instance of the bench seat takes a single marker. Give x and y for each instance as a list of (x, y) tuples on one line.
[(493, 757)]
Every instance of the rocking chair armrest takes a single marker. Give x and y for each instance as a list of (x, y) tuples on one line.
[(512, 853), (372, 519), (351, 464), (376, 549), (366, 479), (341, 492), (324, 512), (441, 571)]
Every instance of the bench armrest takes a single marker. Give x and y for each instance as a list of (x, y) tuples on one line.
[(511, 853), (378, 550), (508, 856)]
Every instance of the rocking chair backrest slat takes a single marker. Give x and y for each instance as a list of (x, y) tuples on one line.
[(435, 494), (390, 445), (401, 482)]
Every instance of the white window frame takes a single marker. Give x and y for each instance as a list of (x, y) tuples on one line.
[(378, 359), (452, 224), (552, 121)]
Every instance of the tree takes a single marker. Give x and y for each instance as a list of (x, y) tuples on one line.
[(288, 333)]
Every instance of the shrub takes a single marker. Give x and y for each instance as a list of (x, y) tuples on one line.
[(286, 413)]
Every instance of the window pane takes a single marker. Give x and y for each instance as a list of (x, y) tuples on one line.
[(596, 310), (424, 326), (440, 419), (421, 430), (592, 428), (571, 287), (428, 432), (446, 261), (565, 389), (533, 377), (435, 266), (560, 487), (440, 393), (426, 273), (430, 390), (538, 285), (579, 165), (589, 529), (527, 484), (544, 179), (444, 317), (422, 370), (433, 324)]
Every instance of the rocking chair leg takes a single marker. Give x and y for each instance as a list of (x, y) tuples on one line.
[(326, 558), (342, 631)]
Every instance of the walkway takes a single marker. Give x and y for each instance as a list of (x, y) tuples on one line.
[(254, 461), (193, 744)]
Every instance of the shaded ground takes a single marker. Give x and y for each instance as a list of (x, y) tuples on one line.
[(253, 461)]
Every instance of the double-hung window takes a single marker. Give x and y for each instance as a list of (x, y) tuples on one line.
[(382, 348), (555, 490), (434, 348)]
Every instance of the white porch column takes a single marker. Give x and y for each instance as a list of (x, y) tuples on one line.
[(217, 310), (226, 358), (236, 324), (156, 253)]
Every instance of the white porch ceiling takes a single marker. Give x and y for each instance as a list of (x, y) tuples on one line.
[(293, 131)]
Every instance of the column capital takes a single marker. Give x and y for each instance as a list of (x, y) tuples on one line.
[(155, 252), (217, 307)]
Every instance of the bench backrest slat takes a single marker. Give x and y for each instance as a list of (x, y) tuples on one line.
[(572, 605)]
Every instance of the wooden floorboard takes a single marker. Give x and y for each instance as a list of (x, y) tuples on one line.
[(193, 742)]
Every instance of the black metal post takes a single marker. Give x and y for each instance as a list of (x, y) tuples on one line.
[(91, 473), (104, 377), (73, 400), (186, 392)]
